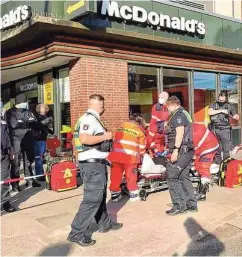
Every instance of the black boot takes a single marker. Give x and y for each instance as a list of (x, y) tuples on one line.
[(8, 207), (15, 187), (32, 183), (202, 192)]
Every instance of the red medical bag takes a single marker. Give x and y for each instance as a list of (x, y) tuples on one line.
[(62, 176), (233, 176)]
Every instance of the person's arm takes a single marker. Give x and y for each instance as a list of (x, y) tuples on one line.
[(142, 144), (179, 136), (212, 112), (233, 112), (87, 131)]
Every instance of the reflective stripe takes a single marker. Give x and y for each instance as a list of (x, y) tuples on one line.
[(142, 146), (203, 139), (151, 134), (155, 118), (126, 151), (126, 142), (210, 150)]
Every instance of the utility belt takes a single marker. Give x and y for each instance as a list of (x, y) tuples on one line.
[(214, 127), (94, 160)]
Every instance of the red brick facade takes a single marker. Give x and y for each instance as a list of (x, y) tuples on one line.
[(89, 75)]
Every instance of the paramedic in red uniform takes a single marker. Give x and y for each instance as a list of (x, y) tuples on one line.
[(128, 148), (206, 146), (159, 115)]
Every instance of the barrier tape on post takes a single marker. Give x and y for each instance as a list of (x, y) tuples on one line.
[(29, 177)]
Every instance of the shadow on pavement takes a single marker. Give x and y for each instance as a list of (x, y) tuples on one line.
[(114, 208), (56, 250), (25, 194), (202, 242)]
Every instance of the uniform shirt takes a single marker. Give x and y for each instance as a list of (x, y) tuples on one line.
[(89, 125), (180, 119), (231, 108)]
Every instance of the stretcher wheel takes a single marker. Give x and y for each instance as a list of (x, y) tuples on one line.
[(142, 194)]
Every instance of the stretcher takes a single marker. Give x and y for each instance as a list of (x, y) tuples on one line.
[(60, 168)]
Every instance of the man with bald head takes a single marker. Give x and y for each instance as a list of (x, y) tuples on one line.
[(159, 115)]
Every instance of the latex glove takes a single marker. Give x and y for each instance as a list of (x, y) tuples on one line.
[(164, 153)]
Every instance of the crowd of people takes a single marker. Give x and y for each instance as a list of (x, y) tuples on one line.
[(23, 138), (171, 135)]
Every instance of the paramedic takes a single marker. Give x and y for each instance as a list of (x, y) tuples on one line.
[(159, 115), (6, 155), (93, 144), (219, 113), (179, 140), (20, 121), (128, 148), (206, 145)]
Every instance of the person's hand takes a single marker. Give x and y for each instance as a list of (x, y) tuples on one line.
[(174, 156), (11, 155), (107, 136)]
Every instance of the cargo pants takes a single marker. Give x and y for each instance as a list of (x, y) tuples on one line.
[(94, 177), (179, 184)]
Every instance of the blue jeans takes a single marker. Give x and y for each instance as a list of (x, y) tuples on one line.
[(39, 149)]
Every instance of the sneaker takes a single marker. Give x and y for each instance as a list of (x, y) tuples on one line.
[(113, 226), (83, 242), (134, 197), (192, 209), (174, 212), (116, 196)]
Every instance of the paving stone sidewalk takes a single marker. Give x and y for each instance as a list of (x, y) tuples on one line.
[(42, 224)]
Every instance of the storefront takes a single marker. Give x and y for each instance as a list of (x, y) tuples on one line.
[(128, 53)]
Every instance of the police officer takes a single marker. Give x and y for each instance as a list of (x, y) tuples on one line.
[(20, 120), (219, 113), (6, 155), (93, 144), (179, 141)]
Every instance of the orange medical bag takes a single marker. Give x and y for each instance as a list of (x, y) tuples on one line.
[(231, 169), (62, 176), (233, 176)]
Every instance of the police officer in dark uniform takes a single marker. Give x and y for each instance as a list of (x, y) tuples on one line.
[(219, 113), (93, 144), (6, 155), (180, 144), (20, 121)]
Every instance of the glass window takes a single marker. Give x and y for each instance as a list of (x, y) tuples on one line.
[(65, 115), (233, 85), (204, 95), (143, 89), (175, 82)]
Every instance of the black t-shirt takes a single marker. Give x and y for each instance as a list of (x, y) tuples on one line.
[(180, 119)]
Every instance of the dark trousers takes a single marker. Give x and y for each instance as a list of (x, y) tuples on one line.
[(179, 183), (94, 177), (5, 174), (23, 149), (224, 138)]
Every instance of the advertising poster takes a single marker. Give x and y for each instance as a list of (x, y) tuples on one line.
[(48, 89)]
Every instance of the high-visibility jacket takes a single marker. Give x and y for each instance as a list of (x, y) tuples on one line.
[(129, 144), (156, 138), (204, 140)]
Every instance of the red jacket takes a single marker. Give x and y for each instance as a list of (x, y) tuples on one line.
[(204, 140), (155, 138)]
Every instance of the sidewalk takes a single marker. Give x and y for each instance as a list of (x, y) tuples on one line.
[(42, 224)]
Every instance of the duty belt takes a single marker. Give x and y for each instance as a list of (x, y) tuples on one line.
[(94, 160)]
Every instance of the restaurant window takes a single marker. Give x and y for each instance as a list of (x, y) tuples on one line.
[(204, 95), (65, 116), (143, 89), (175, 82), (233, 85)]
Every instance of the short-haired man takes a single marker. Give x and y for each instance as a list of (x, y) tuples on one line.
[(220, 112), (93, 144), (180, 144)]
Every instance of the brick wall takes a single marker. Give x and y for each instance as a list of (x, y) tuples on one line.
[(89, 75)]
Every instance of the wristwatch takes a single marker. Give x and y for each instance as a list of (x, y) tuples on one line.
[(175, 147)]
